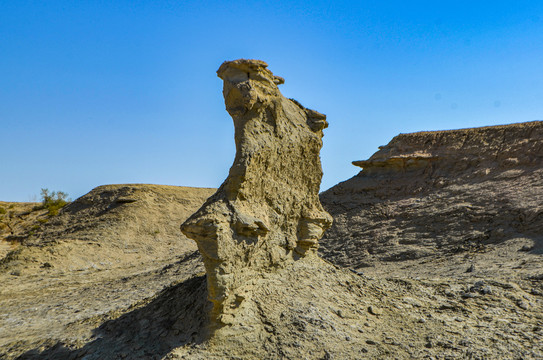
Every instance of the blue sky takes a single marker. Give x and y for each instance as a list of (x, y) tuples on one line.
[(102, 92)]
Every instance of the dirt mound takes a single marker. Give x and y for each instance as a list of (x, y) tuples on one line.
[(446, 195), (106, 254), (111, 226)]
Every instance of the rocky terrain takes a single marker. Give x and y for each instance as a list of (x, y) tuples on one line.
[(106, 252), (435, 252), (158, 309), (447, 197), (111, 226), (17, 221)]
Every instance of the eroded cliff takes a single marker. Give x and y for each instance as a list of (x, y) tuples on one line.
[(430, 194)]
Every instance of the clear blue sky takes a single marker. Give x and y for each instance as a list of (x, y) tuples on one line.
[(102, 92)]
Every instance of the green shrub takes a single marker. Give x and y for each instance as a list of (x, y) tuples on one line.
[(53, 201)]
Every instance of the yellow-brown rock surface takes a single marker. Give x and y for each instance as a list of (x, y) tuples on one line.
[(267, 212)]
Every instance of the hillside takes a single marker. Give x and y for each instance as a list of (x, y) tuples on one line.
[(17, 221), (437, 203), (104, 254), (111, 226)]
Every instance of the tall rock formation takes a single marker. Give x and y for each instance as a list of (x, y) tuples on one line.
[(435, 193), (267, 212)]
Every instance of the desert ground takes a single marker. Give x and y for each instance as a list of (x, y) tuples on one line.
[(444, 265)]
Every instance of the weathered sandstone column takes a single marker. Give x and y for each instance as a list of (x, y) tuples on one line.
[(267, 212)]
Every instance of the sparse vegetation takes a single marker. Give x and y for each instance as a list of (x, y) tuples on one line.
[(18, 222), (53, 201)]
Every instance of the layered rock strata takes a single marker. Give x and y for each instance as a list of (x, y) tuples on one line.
[(267, 212), (436, 193)]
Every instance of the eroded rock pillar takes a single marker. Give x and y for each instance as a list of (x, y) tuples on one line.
[(267, 212)]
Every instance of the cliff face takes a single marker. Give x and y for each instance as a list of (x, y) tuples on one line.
[(440, 192)]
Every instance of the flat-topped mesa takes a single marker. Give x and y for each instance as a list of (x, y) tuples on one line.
[(494, 147), (267, 212)]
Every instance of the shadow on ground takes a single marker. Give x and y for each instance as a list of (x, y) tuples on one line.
[(176, 317), (538, 246)]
